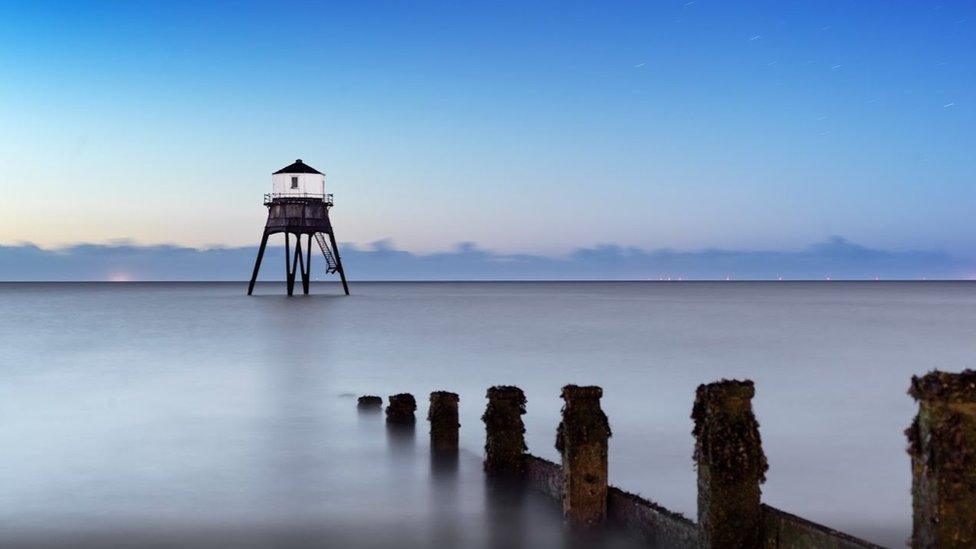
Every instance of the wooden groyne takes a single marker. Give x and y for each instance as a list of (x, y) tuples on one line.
[(730, 464)]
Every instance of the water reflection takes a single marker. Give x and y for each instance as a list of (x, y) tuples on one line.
[(444, 466), (368, 410), (445, 498), (401, 438), (505, 507)]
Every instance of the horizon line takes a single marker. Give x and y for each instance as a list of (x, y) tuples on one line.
[(506, 280)]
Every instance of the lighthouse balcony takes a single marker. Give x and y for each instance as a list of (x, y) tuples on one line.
[(271, 198)]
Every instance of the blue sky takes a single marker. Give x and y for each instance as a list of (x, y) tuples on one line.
[(536, 127)]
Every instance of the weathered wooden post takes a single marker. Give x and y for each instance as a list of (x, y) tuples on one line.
[(942, 444), (401, 409), (444, 423), (731, 465), (582, 440), (504, 431), (369, 403)]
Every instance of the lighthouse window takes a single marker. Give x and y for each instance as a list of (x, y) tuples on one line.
[(294, 182)]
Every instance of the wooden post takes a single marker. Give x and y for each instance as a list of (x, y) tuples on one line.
[(401, 409), (731, 466), (370, 403), (444, 423), (582, 440), (942, 445), (504, 431)]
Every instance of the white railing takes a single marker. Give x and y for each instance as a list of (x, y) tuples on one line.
[(270, 197)]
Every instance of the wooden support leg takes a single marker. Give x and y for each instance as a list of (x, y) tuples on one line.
[(257, 263), (288, 283), (294, 265), (342, 273), (307, 271)]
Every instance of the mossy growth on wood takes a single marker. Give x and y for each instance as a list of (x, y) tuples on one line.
[(582, 439), (504, 430), (444, 421), (401, 409), (942, 446), (731, 466), (370, 402), (726, 431), (587, 422)]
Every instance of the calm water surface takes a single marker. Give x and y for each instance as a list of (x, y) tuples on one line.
[(174, 414)]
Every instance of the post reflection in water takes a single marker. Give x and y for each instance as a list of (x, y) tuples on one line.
[(401, 439), (445, 501), (505, 505)]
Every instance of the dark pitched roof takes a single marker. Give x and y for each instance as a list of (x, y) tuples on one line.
[(298, 167)]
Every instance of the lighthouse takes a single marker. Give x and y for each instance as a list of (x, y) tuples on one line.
[(298, 206)]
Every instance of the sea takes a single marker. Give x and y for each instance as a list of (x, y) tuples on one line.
[(188, 414)]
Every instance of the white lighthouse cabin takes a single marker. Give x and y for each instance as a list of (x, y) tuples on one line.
[(298, 180)]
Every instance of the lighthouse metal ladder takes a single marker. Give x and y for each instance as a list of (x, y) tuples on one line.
[(330, 263)]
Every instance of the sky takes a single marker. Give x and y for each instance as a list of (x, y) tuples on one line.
[(524, 127), (834, 259)]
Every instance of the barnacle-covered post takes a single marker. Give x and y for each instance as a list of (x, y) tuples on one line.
[(731, 465), (582, 440), (444, 423), (504, 431), (942, 445), (400, 410)]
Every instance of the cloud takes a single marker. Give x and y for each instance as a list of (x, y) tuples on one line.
[(836, 258)]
